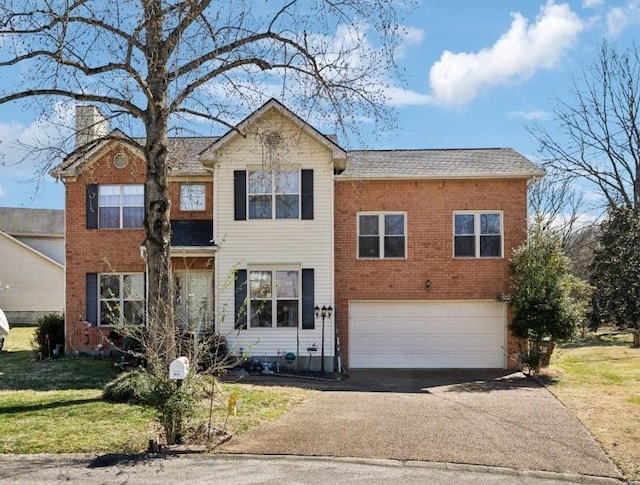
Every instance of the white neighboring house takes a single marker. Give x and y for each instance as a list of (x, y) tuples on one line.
[(31, 263)]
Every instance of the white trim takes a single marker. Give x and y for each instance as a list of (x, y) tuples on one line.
[(463, 176), (476, 233), (381, 234)]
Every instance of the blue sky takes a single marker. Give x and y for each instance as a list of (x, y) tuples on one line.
[(476, 72)]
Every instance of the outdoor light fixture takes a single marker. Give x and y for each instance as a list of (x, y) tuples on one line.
[(324, 312)]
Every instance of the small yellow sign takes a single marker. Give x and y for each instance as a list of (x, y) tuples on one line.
[(233, 403)]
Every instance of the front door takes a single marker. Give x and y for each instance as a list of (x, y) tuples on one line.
[(194, 301)]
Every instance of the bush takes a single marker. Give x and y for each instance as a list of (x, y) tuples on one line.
[(135, 387), (49, 334)]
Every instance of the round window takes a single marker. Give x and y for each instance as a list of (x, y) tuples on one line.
[(120, 160)]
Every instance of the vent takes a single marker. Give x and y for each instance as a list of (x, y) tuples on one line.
[(120, 160), (273, 139)]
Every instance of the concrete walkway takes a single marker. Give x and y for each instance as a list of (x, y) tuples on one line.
[(465, 417)]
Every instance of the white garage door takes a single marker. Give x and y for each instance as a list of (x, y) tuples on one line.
[(419, 334)]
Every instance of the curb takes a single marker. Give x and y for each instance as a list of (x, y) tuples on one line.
[(461, 467)]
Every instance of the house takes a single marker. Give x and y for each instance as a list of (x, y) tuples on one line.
[(31, 263), (274, 220)]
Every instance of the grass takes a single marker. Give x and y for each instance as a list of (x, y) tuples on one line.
[(598, 379), (56, 406)]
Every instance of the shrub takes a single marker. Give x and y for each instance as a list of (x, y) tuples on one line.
[(133, 387), (49, 334)]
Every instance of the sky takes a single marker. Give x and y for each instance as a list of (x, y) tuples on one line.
[(476, 74)]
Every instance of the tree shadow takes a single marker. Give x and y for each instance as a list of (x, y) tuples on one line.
[(612, 339), (120, 459), (22, 371), (29, 408)]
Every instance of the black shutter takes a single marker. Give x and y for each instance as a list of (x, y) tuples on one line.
[(308, 299), (241, 298), (240, 195), (92, 298), (92, 206), (307, 194)]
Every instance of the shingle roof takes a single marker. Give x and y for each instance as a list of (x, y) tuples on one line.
[(447, 163), (183, 155), (32, 222)]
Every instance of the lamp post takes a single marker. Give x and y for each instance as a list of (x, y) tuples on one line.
[(324, 312)]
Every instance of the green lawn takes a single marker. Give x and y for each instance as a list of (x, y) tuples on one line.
[(56, 406), (598, 379)]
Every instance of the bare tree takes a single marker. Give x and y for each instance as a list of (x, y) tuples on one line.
[(156, 63), (597, 132), (555, 204)]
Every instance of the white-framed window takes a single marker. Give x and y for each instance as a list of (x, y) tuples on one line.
[(477, 234), (274, 194), (121, 298), (192, 197), (382, 235), (274, 298), (120, 206)]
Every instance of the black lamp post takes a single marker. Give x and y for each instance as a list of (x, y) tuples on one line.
[(324, 312)]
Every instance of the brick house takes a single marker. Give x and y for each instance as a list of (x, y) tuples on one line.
[(409, 248)]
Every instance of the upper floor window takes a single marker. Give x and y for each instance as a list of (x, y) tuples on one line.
[(121, 298), (120, 206), (274, 298), (477, 235), (192, 197), (274, 194), (382, 235)]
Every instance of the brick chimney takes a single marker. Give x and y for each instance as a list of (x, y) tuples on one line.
[(90, 125)]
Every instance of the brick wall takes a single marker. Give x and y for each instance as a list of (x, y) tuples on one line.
[(106, 250), (429, 207)]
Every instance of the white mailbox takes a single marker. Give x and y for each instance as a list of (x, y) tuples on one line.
[(179, 368)]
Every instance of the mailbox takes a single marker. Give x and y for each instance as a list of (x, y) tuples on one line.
[(179, 368)]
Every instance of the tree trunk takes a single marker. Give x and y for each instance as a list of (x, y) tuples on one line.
[(636, 338), (160, 302)]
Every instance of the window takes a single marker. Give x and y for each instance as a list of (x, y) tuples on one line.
[(121, 298), (269, 290), (381, 235), (477, 235), (120, 206), (192, 197), (274, 194)]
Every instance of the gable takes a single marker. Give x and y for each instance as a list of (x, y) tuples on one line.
[(276, 132)]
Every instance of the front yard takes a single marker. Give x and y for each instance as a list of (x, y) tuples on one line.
[(56, 406), (598, 380)]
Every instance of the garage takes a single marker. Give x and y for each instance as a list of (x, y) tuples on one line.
[(427, 334)]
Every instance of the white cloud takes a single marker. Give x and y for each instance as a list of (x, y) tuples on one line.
[(620, 18), (457, 78), (3, 192), (399, 97), (592, 3), (530, 114)]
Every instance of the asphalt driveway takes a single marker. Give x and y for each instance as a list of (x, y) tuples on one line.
[(473, 417)]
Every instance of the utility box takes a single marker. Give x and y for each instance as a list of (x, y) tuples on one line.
[(179, 369)]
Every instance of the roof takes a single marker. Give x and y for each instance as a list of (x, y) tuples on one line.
[(439, 163), (329, 142), (183, 155), (32, 222)]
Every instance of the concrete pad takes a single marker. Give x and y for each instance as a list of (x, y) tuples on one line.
[(490, 418)]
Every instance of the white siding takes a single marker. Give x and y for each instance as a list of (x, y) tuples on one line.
[(303, 243), (36, 283)]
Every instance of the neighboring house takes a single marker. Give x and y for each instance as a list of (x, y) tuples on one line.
[(410, 248), (31, 263)]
